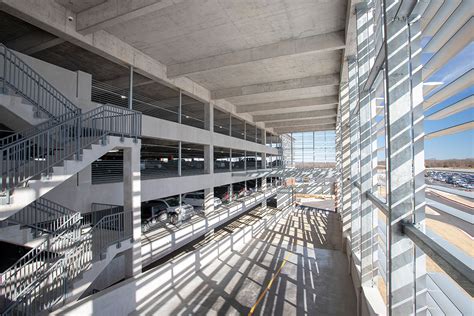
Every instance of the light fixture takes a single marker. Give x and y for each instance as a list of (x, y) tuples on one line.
[(123, 97)]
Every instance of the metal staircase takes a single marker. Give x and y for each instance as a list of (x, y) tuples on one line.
[(54, 149), (45, 276), (33, 153)]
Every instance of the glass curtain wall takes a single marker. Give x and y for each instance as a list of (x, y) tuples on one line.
[(313, 149)]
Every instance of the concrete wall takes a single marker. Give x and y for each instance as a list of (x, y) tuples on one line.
[(157, 244), (123, 298), (75, 85), (115, 271), (369, 300), (78, 192)]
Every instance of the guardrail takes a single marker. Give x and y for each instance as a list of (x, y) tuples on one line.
[(459, 271), (43, 215), (37, 154), (50, 287), (24, 80)]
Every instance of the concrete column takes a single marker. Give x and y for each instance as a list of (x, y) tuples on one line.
[(209, 117), (209, 200), (405, 159), (132, 200), (231, 192), (208, 159)]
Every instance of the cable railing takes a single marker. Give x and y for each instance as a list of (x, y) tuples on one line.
[(36, 155)]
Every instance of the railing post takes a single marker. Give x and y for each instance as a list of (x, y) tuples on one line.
[(103, 128), (4, 81), (79, 137)]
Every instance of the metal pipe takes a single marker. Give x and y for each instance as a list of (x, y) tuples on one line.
[(130, 89), (450, 264)]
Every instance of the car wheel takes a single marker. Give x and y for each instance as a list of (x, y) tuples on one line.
[(174, 219)]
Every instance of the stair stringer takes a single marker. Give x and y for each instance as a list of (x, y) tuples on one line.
[(36, 188), (18, 115), (83, 282)]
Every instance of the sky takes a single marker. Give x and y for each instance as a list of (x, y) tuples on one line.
[(460, 145), (455, 146)]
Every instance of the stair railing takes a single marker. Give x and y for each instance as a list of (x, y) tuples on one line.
[(35, 262), (17, 75), (42, 216), (52, 287), (35, 155)]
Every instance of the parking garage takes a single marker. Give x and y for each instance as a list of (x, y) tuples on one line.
[(236, 157)]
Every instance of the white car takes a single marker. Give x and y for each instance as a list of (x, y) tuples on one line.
[(175, 212), (197, 199)]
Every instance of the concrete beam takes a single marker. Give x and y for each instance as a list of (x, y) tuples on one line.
[(283, 85), (123, 82), (313, 44), (295, 116), (307, 128), (289, 123), (113, 12), (53, 18), (299, 103), (34, 42), (350, 38)]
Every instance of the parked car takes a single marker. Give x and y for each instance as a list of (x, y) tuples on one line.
[(175, 213), (196, 199)]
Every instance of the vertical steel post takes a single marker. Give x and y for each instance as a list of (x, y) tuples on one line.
[(130, 89), (180, 147), (354, 161), (180, 107), (404, 131)]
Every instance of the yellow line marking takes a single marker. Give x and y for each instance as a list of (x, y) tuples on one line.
[(262, 295)]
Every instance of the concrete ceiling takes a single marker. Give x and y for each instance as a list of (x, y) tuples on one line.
[(270, 58), (251, 53)]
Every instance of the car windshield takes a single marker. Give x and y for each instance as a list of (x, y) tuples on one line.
[(172, 202)]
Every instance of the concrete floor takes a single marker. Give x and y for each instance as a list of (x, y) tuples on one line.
[(294, 268)]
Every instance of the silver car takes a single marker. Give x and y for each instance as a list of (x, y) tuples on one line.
[(175, 213)]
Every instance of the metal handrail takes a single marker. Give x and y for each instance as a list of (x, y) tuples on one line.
[(37, 154), (42, 215), (35, 262), (458, 270), (37, 296), (19, 76)]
